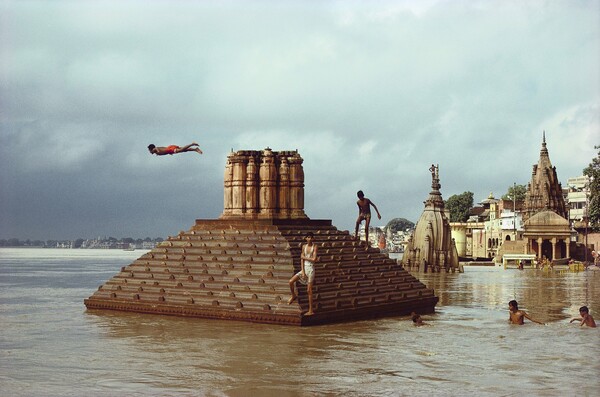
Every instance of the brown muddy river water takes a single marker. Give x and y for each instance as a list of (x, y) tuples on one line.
[(51, 346)]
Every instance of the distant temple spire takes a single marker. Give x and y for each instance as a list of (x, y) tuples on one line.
[(435, 196), (544, 191), (431, 247)]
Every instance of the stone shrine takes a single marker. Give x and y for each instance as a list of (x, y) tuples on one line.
[(431, 248), (237, 267)]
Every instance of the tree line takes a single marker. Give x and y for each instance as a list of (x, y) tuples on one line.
[(78, 243)]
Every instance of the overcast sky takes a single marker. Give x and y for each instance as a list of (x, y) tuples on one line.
[(371, 94)]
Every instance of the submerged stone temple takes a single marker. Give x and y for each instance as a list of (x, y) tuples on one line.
[(237, 267), (431, 248)]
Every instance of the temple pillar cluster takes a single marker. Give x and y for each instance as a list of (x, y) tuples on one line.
[(264, 185)]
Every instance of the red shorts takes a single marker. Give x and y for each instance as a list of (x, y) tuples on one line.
[(172, 149)]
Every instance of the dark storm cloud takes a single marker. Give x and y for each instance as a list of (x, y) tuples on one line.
[(370, 94)]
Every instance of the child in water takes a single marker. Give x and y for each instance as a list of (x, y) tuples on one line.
[(417, 320), (516, 316), (586, 318)]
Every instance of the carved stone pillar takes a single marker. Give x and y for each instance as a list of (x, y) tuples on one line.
[(227, 191), (296, 187), (284, 189), (251, 186), (427, 257), (238, 185), (554, 248), (268, 185), (568, 243), (540, 241)]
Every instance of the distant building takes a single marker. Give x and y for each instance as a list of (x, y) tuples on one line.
[(148, 245), (577, 196), (491, 223)]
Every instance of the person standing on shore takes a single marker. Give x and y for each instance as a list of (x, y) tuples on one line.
[(516, 316), (173, 149), (364, 213)]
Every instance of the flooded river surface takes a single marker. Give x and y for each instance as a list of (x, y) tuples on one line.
[(50, 345)]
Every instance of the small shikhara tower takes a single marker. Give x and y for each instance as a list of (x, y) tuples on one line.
[(544, 192), (237, 267), (431, 247)]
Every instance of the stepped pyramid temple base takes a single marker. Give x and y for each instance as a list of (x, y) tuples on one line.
[(240, 271), (237, 267)]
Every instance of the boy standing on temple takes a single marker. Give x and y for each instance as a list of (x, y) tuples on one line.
[(364, 213)]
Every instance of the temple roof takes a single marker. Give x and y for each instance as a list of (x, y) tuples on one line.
[(547, 218), (489, 200), (544, 191), (546, 224)]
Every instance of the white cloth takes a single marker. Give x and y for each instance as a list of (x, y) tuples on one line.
[(309, 266)]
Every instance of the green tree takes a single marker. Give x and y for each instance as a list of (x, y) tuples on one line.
[(593, 172), (397, 224), (459, 206), (518, 191)]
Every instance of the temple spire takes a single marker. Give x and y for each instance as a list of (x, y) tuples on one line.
[(544, 151), (435, 196), (544, 191), (431, 247)]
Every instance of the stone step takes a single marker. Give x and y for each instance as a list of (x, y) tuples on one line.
[(268, 269), (205, 285), (267, 296)]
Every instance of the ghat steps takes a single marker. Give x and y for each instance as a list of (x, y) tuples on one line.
[(239, 270)]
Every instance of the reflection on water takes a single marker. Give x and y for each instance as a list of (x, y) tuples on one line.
[(50, 345), (552, 296)]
